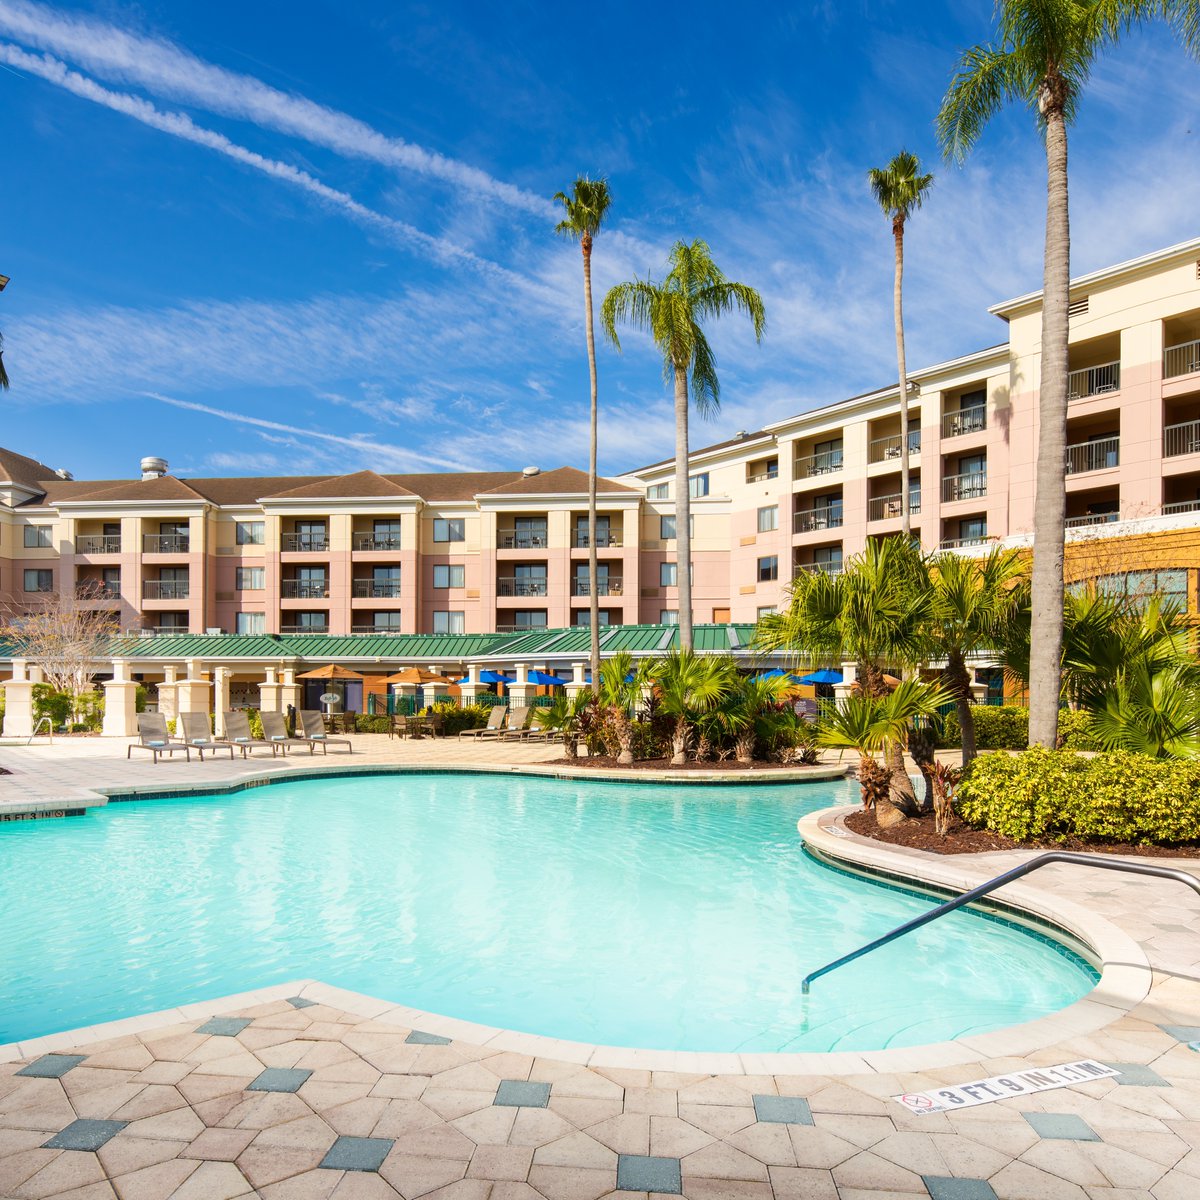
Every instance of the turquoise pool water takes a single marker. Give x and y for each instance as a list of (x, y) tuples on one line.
[(679, 918)]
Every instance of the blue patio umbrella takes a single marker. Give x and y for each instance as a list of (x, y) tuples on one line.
[(777, 673), (543, 679), (628, 678), (824, 675), (488, 677)]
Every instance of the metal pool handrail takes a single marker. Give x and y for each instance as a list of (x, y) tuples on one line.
[(1042, 860)]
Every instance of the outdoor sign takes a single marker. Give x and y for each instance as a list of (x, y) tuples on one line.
[(1002, 1087)]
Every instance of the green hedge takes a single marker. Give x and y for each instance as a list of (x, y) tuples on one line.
[(1007, 728), (1060, 794)]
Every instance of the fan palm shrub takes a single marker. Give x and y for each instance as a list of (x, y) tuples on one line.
[(565, 716), (622, 684), (687, 685)]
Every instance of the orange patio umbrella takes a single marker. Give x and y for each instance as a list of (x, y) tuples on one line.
[(331, 672), (417, 675)]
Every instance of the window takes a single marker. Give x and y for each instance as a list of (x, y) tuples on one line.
[(250, 579), (452, 575), (668, 575), (110, 581), (764, 612), (384, 582), (828, 558), (250, 533), (449, 622), (603, 531), (251, 623), (387, 622), (583, 617), (1169, 585), (666, 528), (668, 616), (768, 518), (172, 622), (39, 581), (698, 485), (37, 537), (386, 535), (972, 529), (768, 568), (450, 530), (312, 622), (658, 491), (529, 533), (827, 457), (533, 618)]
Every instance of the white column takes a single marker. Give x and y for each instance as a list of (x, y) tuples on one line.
[(18, 701), (289, 690), (841, 691), (120, 702), (579, 681), (168, 703), (268, 692), (518, 693), (471, 689), (220, 698)]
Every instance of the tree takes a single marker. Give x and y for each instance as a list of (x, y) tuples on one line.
[(3, 372), (689, 685), (757, 709), (1042, 56), (622, 683), (565, 716), (974, 602), (672, 312), (66, 639), (586, 208), (901, 188)]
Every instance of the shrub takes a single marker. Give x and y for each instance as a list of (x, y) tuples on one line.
[(140, 696), (256, 729), (996, 727), (372, 724), (89, 712), (456, 719), (1060, 794), (49, 703), (1075, 731)]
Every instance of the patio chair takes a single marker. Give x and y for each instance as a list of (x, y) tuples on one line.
[(312, 729), (153, 736), (275, 732), (237, 731), (198, 735), (494, 726), (516, 730)]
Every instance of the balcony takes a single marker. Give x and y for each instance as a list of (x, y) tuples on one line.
[(306, 543), (304, 628), (883, 508), (97, 589), (383, 589), (763, 476), (831, 569), (1181, 506), (604, 587), (376, 541), (966, 420), (511, 586), (98, 543), (393, 629), (961, 543), (304, 589), (829, 517), (525, 539), (1094, 381), (970, 486), (165, 589), (1099, 455), (884, 448), (166, 543), (520, 628), (1181, 360), (580, 541), (828, 462), (1181, 439), (1092, 519)]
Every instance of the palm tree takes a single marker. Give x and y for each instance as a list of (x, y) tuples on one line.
[(565, 716), (622, 683), (1042, 56), (901, 188), (974, 603), (3, 372), (689, 685), (672, 312), (756, 709), (1148, 711), (586, 208)]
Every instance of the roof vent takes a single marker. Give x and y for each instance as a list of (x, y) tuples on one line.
[(741, 435), (63, 473), (153, 468), (1077, 307), (529, 472)]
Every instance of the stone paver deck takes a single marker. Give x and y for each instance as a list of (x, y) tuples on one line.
[(305, 1092)]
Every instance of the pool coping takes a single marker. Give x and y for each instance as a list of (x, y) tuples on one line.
[(1125, 981)]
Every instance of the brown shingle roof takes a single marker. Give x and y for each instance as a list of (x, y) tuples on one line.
[(24, 471), (361, 483), (566, 481), (165, 487), (736, 441)]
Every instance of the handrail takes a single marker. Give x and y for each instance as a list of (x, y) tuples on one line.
[(1042, 860), (49, 730)]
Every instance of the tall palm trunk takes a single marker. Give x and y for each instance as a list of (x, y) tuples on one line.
[(901, 800), (683, 510), (958, 682), (898, 313), (593, 558), (1046, 630)]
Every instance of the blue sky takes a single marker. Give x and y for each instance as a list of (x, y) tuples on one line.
[(316, 237)]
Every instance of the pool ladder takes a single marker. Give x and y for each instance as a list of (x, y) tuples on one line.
[(1042, 860), (49, 724)]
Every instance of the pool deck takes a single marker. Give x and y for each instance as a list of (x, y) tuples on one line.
[(310, 1092)]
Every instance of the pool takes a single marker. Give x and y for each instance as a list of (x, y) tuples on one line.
[(644, 915)]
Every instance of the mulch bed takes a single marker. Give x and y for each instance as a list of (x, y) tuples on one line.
[(918, 834), (605, 762)]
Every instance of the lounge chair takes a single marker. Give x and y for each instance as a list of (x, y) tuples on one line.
[(237, 731), (198, 735), (153, 736), (516, 730), (275, 731), (494, 726), (312, 729)]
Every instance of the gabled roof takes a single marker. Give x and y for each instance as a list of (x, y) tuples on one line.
[(26, 472), (567, 481), (357, 486), (164, 487)]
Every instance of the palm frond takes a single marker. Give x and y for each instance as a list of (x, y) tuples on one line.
[(987, 78), (900, 188), (586, 207)]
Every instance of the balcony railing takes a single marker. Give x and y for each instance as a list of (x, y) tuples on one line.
[(810, 519), (881, 508), (1092, 519), (970, 486), (98, 543), (306, 542), (830, 568), (966, 420), (960, 543), (304, 628), (1181, 360), (1181, 506), (375, 629), (763, 476), (384, 589), (604, 587), (1094, 381), (825, 463), (1181, 439), (524, 540), (520, 587), (376, 541), (580, 541), (1093, 456), (884, 448), (166, 543), (96, 589), (520, 628), (304, 589), (165, 589)]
